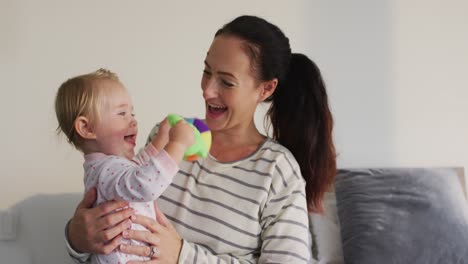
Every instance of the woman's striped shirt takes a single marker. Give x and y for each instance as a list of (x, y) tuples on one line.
[(249, 211)]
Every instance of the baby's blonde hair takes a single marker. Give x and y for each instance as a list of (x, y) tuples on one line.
[(79, 96)]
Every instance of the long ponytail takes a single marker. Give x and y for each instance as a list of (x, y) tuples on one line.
[(302, 122)]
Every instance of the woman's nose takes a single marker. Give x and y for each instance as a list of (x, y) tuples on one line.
[(209, 89)]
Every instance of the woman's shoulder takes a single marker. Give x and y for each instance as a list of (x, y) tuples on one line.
[(275, 150), (287, 169)]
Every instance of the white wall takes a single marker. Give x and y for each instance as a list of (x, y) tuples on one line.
[(394, 71), (431, 83)]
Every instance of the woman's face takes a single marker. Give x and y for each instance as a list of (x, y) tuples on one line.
[(230, 91)]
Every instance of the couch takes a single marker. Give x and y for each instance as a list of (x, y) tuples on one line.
[(372, 216)]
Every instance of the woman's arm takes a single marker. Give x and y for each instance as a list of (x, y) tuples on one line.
[(172, 249), (284, 219), (91, 229), (285, 234), (285, 237)]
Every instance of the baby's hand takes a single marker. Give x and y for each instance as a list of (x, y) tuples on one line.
[(182, 133), (162, 137), (181, 137)]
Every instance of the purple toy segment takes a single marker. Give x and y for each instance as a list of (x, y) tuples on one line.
[(200, 125)]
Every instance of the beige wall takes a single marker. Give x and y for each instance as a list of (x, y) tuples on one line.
[(431, 83), (394, 70)]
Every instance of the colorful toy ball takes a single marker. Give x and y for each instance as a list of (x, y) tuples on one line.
[(202, 133)]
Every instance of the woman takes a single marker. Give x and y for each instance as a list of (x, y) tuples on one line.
[(248, 201)]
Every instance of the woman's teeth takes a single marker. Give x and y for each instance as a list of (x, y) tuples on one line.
[(216, 108)]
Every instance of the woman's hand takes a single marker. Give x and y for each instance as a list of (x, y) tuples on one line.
[(97, 230), (161, 235)]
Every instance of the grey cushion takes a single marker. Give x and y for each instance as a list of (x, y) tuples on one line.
[(402, 216)]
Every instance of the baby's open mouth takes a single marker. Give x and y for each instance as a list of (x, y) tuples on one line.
[(130, 138)]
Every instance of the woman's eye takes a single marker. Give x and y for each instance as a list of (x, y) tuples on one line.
[(206, 72), (225, 83)]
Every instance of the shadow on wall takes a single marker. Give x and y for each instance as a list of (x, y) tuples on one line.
[(33, 229), (352, 44)]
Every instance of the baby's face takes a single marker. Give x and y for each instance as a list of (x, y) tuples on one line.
[(116, 129)]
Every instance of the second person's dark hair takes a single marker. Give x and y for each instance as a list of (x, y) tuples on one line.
[(299, 110)]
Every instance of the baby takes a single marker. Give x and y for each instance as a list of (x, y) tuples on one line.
[(95, 113)]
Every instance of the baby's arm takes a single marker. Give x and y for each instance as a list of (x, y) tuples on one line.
[(156, 144), (122, 180), (155, 169)]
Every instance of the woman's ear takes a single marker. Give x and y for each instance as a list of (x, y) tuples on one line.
[(268, 88), (83, 128)]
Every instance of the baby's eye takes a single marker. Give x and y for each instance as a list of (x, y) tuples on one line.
[(133, 114), (122, 113)]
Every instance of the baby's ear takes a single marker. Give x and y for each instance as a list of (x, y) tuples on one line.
[(83, 128)]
